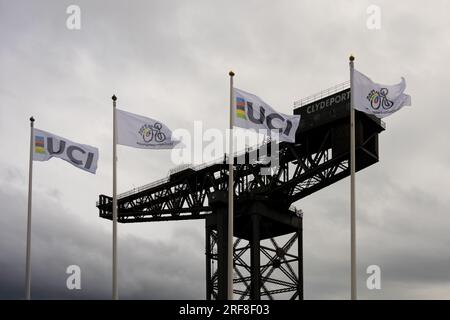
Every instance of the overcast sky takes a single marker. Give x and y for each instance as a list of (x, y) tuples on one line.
[(169, 60)]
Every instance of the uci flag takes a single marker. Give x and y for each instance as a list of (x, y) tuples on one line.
[(47, 145), (141, 132), (378, 99), (251, 112)]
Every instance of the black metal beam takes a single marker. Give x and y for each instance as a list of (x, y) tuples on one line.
[(208, 257), (255, 293)]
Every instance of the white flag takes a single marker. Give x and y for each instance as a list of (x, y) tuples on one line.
[(253, 113), (137, 131), (48, 145), (377, 99)]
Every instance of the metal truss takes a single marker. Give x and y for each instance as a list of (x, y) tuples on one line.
[(317, 160), (277, 274), (262, 267)]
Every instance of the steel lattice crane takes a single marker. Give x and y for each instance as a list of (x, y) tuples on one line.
[(263, 203)]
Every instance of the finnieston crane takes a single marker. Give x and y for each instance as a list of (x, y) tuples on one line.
[(263, 209)]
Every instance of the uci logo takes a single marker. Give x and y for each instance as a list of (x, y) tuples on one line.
[(379, 98), (76, 154), (150, 132), (271, 120)]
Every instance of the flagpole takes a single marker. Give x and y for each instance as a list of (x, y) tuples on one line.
[(115, 293), (352, 187), (230, 197), (30, 191)]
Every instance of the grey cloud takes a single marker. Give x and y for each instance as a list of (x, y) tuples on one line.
[(61, 238), (169, 60)]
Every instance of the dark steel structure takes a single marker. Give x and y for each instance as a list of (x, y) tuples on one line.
[(263, 268)]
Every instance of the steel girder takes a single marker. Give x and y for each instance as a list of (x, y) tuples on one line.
[(317, 160), (277, 274)]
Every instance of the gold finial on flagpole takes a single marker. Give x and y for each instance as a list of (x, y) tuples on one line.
[(351, 58), (231, 73)]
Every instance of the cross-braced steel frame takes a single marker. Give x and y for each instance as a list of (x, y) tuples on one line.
[(280, 273)]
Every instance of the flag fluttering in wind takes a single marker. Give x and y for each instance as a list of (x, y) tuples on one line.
[(44, 146), (378, 99), (133, 130), (47, 145), (141, 132), (251, 112)]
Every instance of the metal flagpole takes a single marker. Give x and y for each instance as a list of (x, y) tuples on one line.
[(30, 191), (115, 294), (352, 186), (230, 197)]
